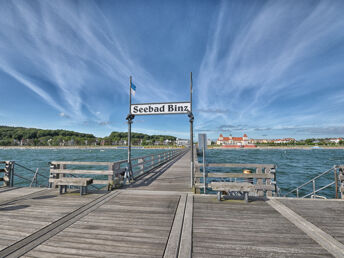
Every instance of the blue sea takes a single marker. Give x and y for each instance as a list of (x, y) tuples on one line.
[(294, 166)]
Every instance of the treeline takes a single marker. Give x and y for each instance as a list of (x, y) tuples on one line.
[(311, 141), (119, 138), (20, 136)]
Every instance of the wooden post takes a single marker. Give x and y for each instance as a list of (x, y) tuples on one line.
[(341, 178), (111, 181), (260, 193), (142, 167), (336, 181), (268, 181), (118, 178), (9, 173)]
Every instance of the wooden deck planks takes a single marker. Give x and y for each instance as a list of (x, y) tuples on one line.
[(228, 229), (325, 214), (127, 225), (25, 215), (174, 176), (158, 216)]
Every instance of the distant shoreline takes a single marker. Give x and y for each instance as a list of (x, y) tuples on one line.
[(89, 147), (282, 147), (166, 147)]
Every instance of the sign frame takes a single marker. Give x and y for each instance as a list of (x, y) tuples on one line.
[(162, 103)]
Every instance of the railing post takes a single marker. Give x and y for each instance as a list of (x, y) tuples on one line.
[(313, 182), (9, 173), (341, 178), (118, 178), (204, 174), (142, 166), (52, 175), (111, 178), (297, 192), (335, 181)]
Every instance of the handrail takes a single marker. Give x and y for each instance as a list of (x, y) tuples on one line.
[(119, 173), (312, 194)]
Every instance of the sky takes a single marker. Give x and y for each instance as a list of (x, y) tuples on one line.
[(270, 69)]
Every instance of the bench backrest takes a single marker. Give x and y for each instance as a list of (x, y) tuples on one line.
[(58, 168), (263, 176)]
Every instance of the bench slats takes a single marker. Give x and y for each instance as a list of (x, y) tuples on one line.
[(89, 163), (236, 175), (82, 172), (256, 187), (72, 181)]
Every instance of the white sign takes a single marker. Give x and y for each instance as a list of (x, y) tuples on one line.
[(160, 108)]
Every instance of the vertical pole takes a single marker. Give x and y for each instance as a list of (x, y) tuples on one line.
[(336, 181), (313, 181), (204, 172), (129, 132), (191, 136)]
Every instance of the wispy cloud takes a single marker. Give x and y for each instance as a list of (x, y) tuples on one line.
[(268, 62), (58, 49)]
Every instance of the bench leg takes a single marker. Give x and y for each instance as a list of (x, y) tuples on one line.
[(61, 188), (246, 197), (65, 189), (219, 196), (81, 190), (85, 189)]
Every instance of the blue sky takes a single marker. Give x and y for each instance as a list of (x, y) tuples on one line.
[(270, 69)]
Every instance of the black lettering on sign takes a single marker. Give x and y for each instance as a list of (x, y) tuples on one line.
[(150, 109), (140, 110), (170, 108), (135, 110), (186, 108), (180, 108), (162, 109), (145, 109), (156, 109)]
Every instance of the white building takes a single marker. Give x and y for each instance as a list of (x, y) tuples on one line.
[(182, 142)]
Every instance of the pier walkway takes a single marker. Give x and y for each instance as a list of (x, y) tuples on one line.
[(158, 216)]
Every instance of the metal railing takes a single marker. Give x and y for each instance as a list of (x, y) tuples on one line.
[(140, 166), (314, 192), (9, 174), (116, 173)]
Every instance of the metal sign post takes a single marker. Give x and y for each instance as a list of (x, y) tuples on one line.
[(130, 119), (165, 108), (191, 135)]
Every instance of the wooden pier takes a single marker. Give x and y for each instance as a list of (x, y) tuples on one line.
[(159, 216)]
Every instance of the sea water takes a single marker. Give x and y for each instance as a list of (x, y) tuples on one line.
[(294, 166)]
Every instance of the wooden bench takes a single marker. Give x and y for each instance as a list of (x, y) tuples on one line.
[(58, 170), (228, 187), (69, 181)]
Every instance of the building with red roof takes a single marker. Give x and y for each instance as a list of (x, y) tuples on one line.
[(234, 141)]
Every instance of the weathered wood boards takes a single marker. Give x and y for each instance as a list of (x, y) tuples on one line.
[(264, 177), (128, 225), (174, 176), (63, 182), (234, 229), (325, 214), (322, 238), (24, 211)]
